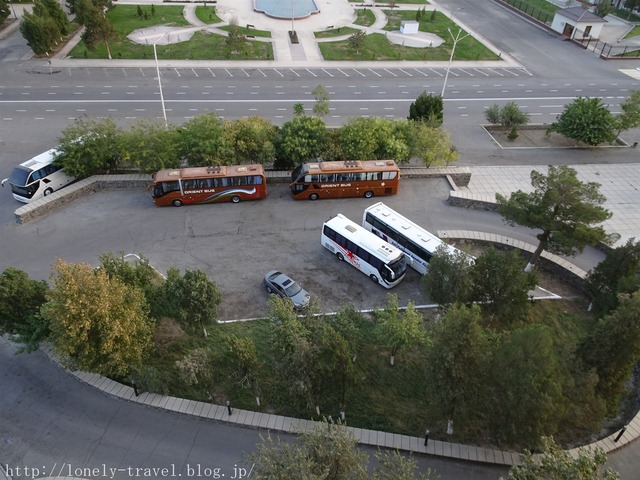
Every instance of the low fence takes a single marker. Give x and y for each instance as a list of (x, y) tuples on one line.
[(606, 50), (530, 11)]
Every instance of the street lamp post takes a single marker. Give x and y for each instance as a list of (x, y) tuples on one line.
[(455, 39), (292, 18), (164, 111)]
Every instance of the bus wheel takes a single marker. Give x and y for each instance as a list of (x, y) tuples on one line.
[(313, 196), (340, 257), (235, 199), (373, 278), (368, 194), (48, 191), (177, 203)]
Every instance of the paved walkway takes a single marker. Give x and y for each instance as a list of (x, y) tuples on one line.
[(333, 14)]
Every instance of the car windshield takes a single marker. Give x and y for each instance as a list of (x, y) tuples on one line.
[(292, 289)]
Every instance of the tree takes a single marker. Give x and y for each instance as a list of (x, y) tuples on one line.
[(203, 143), (586, 120), (356, 41), (501, 286), (98, 324), (447, 280), (235, 39), (395, 466), (90, 146), (52, 8), (527, 399), (631, 5), (193, 297), (617, 273), (98, 29), (630, 116), (509, 116), (427, 108), (302, 139), (315, 354), (397, 329), (137, 273), (324, 452), (603, 8), (194, 367), (457, 361), (5, 11), (371, 138), (298, 109), (613, 347), (37, 31), (555, 463), (150, 146), (20, 302), (431, 145), (243, 357), (321, 107), (563, 207), (251, 139)]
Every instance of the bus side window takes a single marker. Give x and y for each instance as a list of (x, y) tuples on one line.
[(257, 180), (374, 175), (388, 175), (328, 178), (311, 178), (358, 176)]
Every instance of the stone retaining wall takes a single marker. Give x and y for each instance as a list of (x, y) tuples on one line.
[(59, 199)]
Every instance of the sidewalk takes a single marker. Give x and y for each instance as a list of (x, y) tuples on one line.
[(374, 438)]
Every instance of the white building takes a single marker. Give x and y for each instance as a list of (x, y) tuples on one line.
[(576, 22)]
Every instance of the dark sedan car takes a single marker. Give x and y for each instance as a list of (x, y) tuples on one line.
[(280, 284)]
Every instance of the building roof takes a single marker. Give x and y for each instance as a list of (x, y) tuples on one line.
[(580, 15)]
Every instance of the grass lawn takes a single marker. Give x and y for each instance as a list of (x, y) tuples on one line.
[(635, 31), (377, 47), (335, 32), (364, 17), (525, 6), (249, 31), (207, 14), (625, 14), (202, 46)]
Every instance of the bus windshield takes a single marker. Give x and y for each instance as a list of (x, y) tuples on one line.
[(398, 267), (19, 176)]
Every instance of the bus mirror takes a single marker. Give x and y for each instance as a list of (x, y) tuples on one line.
[(4, 180)]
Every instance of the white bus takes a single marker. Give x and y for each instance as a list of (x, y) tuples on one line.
[(415, 241), (37, 178), (382, 262)]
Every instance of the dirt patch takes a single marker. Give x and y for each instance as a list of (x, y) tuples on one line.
[(535, 136)]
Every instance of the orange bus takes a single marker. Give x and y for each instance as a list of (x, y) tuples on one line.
[(179, 186), (352, 178)]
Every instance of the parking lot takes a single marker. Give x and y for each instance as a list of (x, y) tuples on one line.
[(236, 244)]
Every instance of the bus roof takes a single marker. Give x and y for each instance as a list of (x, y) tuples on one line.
[(171, 174), (407, 228), (39, 161), (351, 166), (363, 237)]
